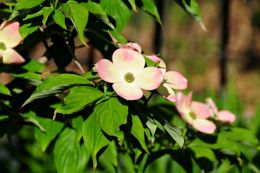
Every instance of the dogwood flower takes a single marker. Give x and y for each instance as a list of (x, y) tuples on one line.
[(172, 80), (128, 74), (10, 38), (223, 115), (134, 46), (194, 113)]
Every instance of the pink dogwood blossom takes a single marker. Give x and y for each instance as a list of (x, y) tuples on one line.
[(10, 38), (194, 113), (223, 115), (128, 73), (172, 80)]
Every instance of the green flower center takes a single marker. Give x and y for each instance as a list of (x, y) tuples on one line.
[(2, 46), (129, 77)]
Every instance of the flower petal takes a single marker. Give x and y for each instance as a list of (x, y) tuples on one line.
[(108, 72), (128, 60), (226, 116), (175, 80), (149, 78), (204, 126), (200, 110), (10, 56), (133, 46), (167, 93), (212, 106), (128, 91), (183, 100), (10, 36), (156, 59)]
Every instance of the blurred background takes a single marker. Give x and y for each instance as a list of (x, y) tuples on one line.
[(232, 28)]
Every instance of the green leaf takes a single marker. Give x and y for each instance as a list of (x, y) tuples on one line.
[(98, 11), (37, 14), (111, 114), (4, 90), (175, 133), (93, 136), (32, 118), (46, 13), (118, 10), (27, 29), (137, 130), (150, 7), (27, 4), (78, 14), (59, 19), (108, 159), (52, 129), (78, 99), (201, 152), (192, 8), (33, 66), (69, 155), (77, 123), (132, 2), (56, 84)]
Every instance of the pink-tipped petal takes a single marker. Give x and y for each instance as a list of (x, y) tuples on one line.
[(156, 59), (108, 72), (10, 56), (204, 126), (226, 116), (133, 46), (212, 106), (175, 80), (10, 36), (200, 110), (128, 91), (128, 60), (149, 78), (171, 97)]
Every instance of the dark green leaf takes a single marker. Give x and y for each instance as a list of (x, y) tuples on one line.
[(52, 128), (56, 84), (175, 133), (150, 7), (69, 155), (78, 14), (192, 8), (78, 99), (109, 159), (46, 13), (98, 11), (4, 90), (118, 10), (93, 136), (111, 114), (59, 19), (27, 4), (137, 130)]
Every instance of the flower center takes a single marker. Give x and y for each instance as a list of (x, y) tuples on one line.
[(2, 46), (129, 77)]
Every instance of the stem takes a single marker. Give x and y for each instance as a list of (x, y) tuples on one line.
[(75, 59)]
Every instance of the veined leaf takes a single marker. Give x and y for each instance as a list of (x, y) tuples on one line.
[(69, 155), (93, 136), (111, 114), (118, 10), (175, 133), (52, 129), (27, 4), (56, 84), (78, 99), (137, 130), (46, 13), (59, 19), (150, 7), (78, 14)]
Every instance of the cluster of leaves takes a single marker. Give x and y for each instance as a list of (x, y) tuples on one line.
[(77, 122)]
